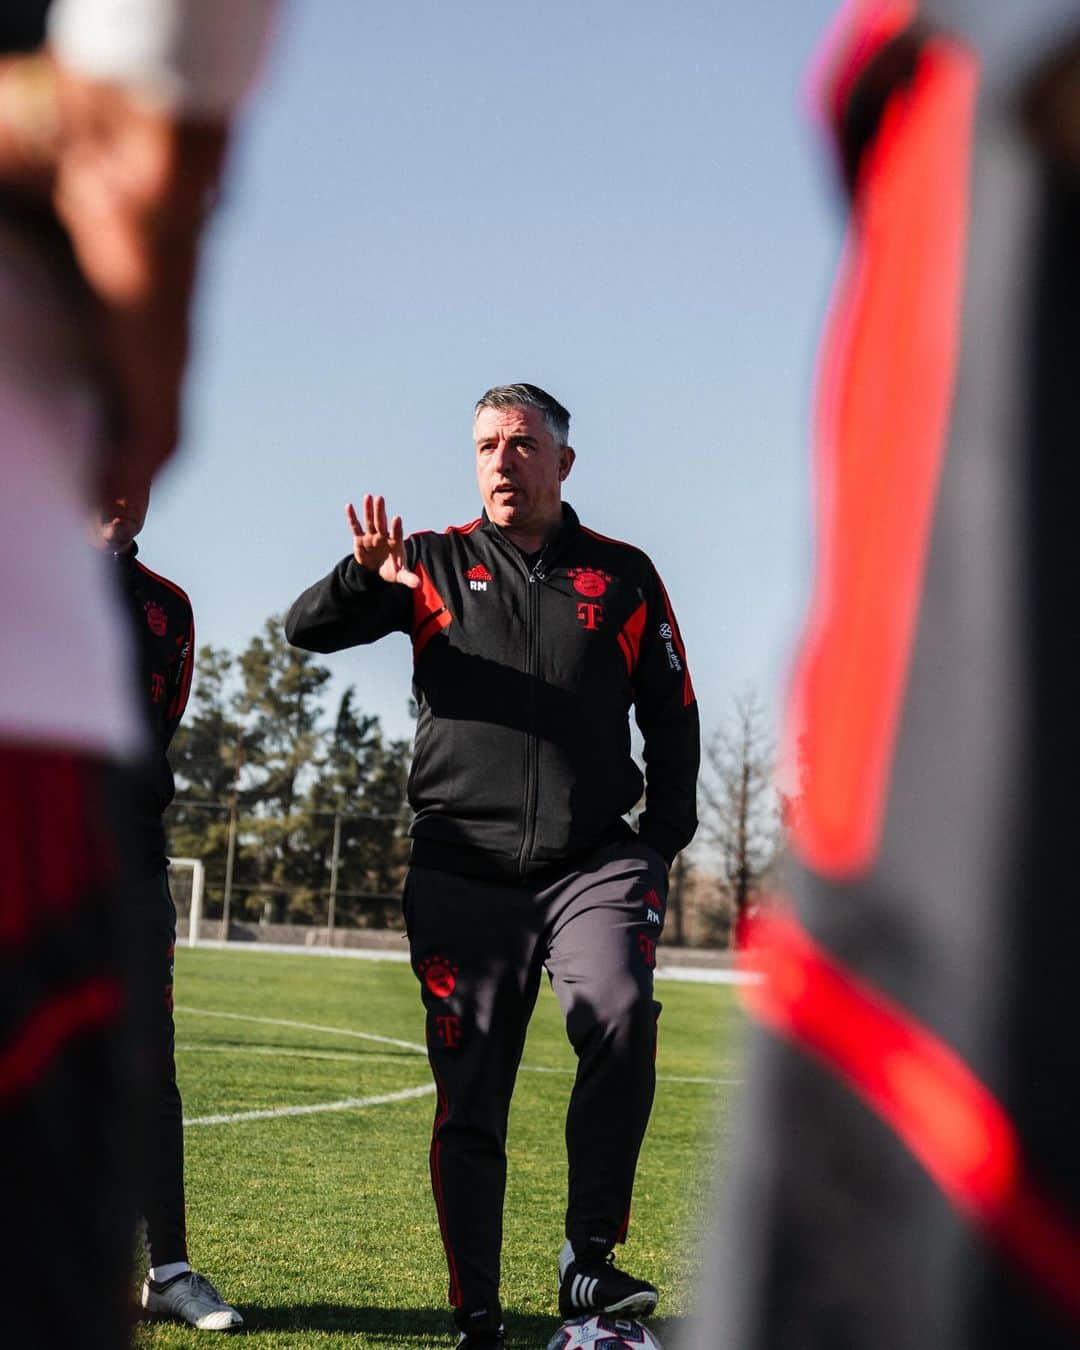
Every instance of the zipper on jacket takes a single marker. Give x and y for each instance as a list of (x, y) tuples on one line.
[(532, 756), (532, 662)]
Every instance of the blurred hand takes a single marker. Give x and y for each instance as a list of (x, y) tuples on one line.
[(131, 185), (132, 188)]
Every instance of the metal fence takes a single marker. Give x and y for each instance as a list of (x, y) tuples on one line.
[(351, 867)]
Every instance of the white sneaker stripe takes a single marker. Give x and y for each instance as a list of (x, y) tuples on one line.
[(573, 1291), (591, 1295)]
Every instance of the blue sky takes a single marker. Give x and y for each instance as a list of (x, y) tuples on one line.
[(622, 202)]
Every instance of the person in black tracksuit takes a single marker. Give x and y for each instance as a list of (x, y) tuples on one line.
[(532, 637), (163, 625), (164, 631)]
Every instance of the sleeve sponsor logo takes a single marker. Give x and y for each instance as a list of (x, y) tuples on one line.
[(668, 638)]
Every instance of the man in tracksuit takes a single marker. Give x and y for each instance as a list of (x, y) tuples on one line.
[(532, 637), (164, 633)]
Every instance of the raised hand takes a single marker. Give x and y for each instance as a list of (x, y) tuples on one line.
[(378, 546)]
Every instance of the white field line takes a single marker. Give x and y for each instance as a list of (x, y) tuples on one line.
[(354, 1057), (288, 1052), (299, 1053), (305, 1026), (346, 1104), (684, 974)]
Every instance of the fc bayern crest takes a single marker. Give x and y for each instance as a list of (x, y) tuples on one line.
[(156, 618), (439, 975), (589, 581)]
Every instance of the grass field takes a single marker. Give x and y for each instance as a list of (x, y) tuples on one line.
[(320, 1227)]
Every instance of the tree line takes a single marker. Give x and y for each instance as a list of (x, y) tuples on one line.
[(301, 817), (290, 812)]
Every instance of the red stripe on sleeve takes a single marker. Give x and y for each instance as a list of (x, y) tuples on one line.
[(464, 529), (430, 614), (165, 582), (630, 637), (885, 389)]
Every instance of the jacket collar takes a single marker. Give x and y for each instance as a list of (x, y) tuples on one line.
[(127, 558), (568, 527)]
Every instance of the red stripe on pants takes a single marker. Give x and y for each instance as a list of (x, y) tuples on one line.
[(927, 1095)]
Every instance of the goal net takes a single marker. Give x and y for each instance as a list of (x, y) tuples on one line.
[(186, 877)]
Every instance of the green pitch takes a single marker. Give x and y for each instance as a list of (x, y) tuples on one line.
[(320, 1227)]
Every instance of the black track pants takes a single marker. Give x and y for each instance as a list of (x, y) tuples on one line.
[(163, 1128), (478, 948)]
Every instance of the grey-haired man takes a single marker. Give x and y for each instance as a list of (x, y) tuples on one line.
[(532, 638)]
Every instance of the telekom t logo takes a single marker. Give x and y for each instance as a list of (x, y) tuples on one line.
[(448, 1030), (590, 615)]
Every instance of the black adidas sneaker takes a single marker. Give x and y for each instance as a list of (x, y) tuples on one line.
[(593, 1284), (491, 1340), (481, 1328)]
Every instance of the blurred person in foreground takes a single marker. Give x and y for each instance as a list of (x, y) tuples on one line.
[(112, 141), (533, 636), (164, 634), (908, 1173)]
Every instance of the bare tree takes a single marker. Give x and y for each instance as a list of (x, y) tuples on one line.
[(740, 807)]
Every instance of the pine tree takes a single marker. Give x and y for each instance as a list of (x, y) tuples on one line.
[(360, 795), (206, 755), (280, 705)]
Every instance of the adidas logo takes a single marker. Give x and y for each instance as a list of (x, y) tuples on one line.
[(582, 1293), (478, 577)]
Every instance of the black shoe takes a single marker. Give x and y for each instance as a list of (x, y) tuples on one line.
[(481, 1328), (482, 1340), (594, 1284)]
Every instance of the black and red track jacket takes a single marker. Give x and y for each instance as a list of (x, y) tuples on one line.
[(165, 636), (525, 676)]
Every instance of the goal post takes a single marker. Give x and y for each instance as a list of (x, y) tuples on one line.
[(198, 874)]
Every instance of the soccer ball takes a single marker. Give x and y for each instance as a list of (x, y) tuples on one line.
[(603, 1332)]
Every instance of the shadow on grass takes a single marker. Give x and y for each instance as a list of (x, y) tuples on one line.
[(400, 1325), (525, 1331)]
